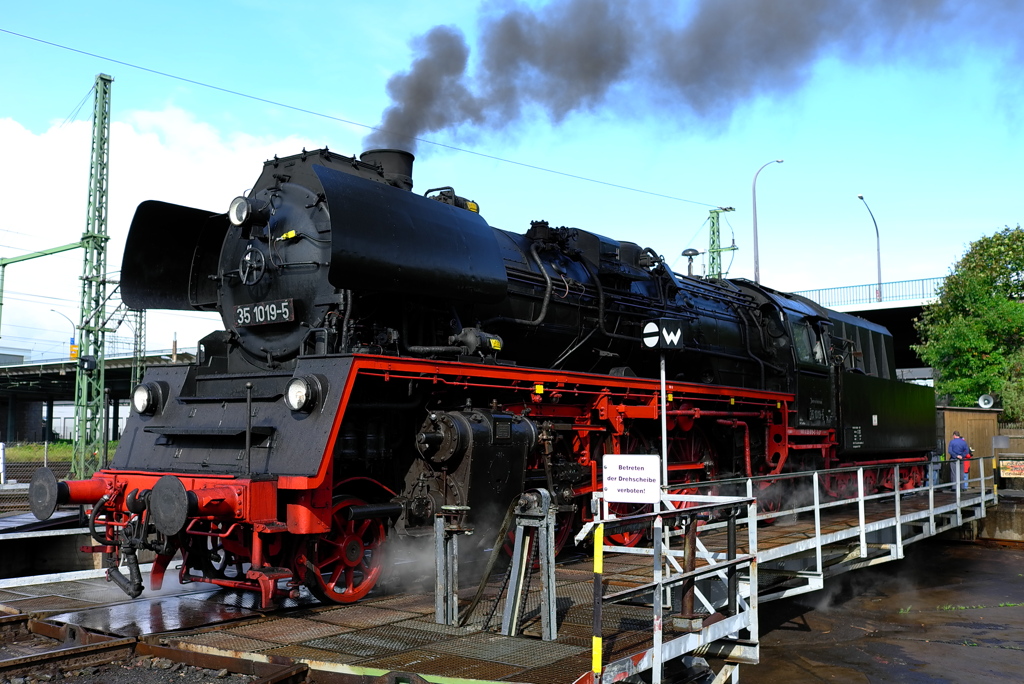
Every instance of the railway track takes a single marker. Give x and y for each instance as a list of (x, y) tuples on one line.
[(34, 649), (86, 631)]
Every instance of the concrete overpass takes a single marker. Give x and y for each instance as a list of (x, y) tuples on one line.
[(25, 388), (895, 306)]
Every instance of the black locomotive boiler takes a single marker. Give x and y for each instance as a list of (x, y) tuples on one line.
[(385, 354)]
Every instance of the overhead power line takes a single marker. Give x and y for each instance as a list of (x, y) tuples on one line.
[(339, 119)]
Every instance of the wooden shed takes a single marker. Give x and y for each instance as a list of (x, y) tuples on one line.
[(977, 425)]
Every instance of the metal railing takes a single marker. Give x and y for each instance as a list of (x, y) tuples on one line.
[(901, 290), (692, 584), (184, 354), (14, 479), (879, 519)]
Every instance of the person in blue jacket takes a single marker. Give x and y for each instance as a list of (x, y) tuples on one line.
[(959, 455)]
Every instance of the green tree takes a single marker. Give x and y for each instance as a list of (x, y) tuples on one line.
[(973, 336)]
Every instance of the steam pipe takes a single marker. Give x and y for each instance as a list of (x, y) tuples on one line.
[(97, 507), (420, 349), (600, 307), (893, 461), (368, 511), (346, 297), (745, 331), (746, 440), (697, 413), (547, 296)]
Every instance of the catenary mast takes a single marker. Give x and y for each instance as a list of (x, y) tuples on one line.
[(90, 433)]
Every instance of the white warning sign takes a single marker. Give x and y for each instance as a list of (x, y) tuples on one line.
[(663, 333), (632, 478)]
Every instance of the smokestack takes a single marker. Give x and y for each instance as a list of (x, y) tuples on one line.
[(397, 165)]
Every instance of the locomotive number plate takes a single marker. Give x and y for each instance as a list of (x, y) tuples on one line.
[(262, 313)]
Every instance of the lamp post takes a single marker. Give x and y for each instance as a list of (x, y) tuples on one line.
[(73, 328), (878, 248), (753, 192)]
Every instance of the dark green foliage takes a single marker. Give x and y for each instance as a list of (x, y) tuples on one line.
[(973, 336)]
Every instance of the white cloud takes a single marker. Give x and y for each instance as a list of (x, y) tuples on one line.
[(166, 155)]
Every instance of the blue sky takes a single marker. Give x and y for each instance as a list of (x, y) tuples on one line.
[(923, 121)]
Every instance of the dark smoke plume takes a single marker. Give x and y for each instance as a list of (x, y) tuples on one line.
[(700, 59)]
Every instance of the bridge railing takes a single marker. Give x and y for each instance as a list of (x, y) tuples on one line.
[(901, 290), (183, 353)]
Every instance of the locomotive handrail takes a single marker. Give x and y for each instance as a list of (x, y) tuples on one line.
[(262, 430), (413, 369), (228, 399), (243, 376), (191, 529)]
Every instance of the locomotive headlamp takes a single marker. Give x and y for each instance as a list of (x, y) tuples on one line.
[(301, 393), (145, 399), (246, 212), (239, 211)]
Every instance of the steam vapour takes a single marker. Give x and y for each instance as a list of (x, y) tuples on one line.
[(700, 59)]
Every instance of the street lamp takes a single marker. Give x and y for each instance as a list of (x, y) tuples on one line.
[(753, 192), (73, 328), (878, 247)]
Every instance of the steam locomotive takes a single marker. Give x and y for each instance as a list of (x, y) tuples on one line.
[(387, 354)]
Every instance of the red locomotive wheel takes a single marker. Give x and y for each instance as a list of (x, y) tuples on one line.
[(841, 485), (224, 557), (633, 442), (564, 525), (770, 496), (622, 510), (912, 477), (687, 486), (343, 565), (871, 482)]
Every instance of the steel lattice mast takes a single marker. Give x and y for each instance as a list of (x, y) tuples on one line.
[(90, 434), (139, 349), (715, 248)]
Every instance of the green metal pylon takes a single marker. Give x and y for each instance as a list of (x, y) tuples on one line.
[(90, 433), (715, 248), (139, 349)]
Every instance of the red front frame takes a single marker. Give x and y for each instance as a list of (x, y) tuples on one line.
[(247, 511)]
